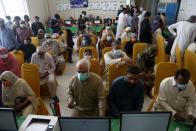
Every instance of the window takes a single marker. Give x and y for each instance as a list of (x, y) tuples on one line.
[(13, 8)]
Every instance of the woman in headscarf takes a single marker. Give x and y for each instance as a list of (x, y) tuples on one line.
[(17, 94), (146, 62), (9, 63)]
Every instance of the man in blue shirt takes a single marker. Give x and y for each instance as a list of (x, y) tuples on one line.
[(126, 94), (54, 23), (7, 37)]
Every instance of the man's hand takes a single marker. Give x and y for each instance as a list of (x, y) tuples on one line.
[(178, 117), (120, 64), (44, 75), (191, 117), (71, 105), (127, 60), (18, 107)]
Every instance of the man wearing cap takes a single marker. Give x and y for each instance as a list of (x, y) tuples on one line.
[(54, 47), (127, 34), (37, 25), (16, 24), (7, 38), (46, 68)]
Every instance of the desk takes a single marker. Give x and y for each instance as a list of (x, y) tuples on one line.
[(115, 124), (73, 28)]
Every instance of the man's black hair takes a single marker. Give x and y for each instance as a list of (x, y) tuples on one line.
[(133, 70), (183, 72)]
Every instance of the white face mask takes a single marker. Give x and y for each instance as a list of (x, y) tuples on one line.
[(4, 56), (87, 57), (87, 26), (22, 25), (49, 40)]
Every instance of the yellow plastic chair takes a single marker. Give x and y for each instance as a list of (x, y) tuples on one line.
[(93, 40), (103, 31), (95, 66), (178, 57), (89, 47), (114, 72), (190, 64), (137, 48), (163, 70), (124, 41), (123, 31), (35, 41), (104, 51), (161, 56), (30, 73), (65, 34), (59, 39), (19, 56)]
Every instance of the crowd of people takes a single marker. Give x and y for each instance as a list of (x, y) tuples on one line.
[(88, 93)]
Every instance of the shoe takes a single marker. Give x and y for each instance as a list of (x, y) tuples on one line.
[(56, 99), (70, 61)]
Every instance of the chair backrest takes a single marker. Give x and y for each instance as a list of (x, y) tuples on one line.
[(163, 70), (89, 47), (137, 48), (95, 66), (93, 40), (178, 57), (59, 39), (30, 73), (124, 41), (103, 31), (114, 72), (161, 49), (123, 31), (65, 34), (19, 55), (104, 51), (190, 64), (35, 41)]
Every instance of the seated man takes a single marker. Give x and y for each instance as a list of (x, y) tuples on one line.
[(192, 47), (116, 56), (88, 54), (106, 40), (79, 39), (86, 92), (108, 29), (17, 94), (177, 94), (86, 41), (40, 36), (126, 34), (88, 29), (54, 47), (127, 93), (68, 48), (28, 49), (46, 68)]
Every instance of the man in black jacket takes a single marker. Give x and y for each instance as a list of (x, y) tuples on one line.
[(37, 25)]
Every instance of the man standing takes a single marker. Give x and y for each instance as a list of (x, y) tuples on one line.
[(7, 38), (22, 32), (55, 23), (145, 30), (16, 24), (82, 20), (127, 93), (134, 23), (186, 34), (86, 92), (9, 22), (46, 68), (177, 94), (36, 26), (122, 23)]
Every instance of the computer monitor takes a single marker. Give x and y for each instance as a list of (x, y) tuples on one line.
[(97, 21), (67, 21), (84, 124), (7, 120), (145, 121)]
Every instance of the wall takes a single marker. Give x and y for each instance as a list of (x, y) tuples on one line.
[(75, 12), (147, 4), (38, 8)]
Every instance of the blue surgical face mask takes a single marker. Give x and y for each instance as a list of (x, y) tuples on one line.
[(181, 86), (82, 76), (117, 53), (109, 38)]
